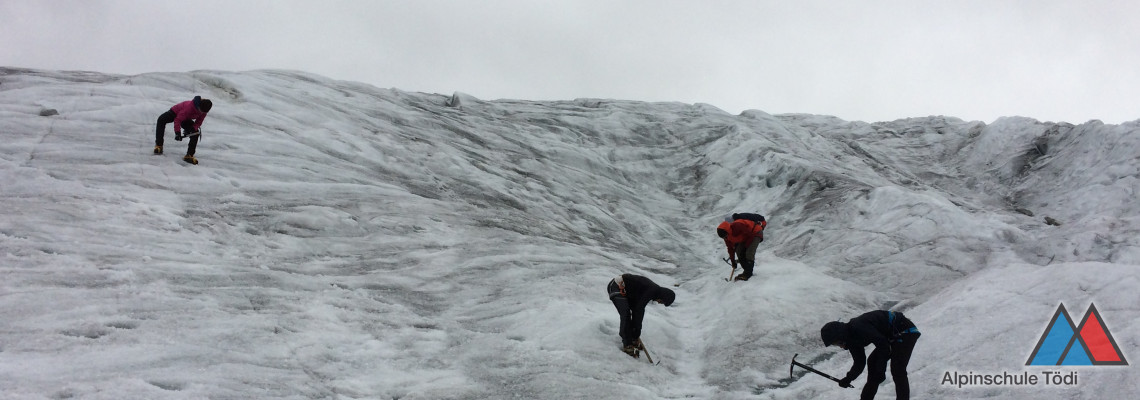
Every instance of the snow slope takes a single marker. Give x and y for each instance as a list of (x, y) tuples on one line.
[(342, 241)]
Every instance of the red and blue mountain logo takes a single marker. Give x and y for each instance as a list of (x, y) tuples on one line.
[(1066, 343)]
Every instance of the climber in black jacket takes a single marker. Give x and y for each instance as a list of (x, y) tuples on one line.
[(630, 294), (894, 337)]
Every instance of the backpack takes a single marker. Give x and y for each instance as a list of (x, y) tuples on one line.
[(757, 218)]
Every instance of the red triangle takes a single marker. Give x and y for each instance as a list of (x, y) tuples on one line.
[(1100, 343)]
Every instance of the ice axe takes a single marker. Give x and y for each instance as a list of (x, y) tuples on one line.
[(794, 364), (733, 269)]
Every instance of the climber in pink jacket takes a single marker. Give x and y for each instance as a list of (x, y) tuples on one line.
[(186, 116)]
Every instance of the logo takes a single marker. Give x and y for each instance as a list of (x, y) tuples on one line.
[(1066, 343)]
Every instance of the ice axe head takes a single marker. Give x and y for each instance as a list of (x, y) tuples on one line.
[(792, 367)]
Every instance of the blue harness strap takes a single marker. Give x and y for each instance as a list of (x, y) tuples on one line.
[(891, 321)]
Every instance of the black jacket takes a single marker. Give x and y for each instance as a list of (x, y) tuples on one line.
[(639, 291), (877, 328)]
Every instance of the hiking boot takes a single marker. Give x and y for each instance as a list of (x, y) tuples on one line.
[(157, 149), (190, 159), (631, 350), (742, 277)]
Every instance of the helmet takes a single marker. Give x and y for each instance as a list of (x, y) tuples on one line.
[(833, 332)]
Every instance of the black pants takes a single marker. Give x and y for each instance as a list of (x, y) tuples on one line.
[(899, 357), (622, 305), (187, 126)]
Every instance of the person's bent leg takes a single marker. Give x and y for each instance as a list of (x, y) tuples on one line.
[(160, 128), (747, 265), (876, 372), (193, 145), (747, 256), (622, 306), (187, 129), (900, 357)]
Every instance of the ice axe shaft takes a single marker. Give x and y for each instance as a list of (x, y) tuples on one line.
[(795, 364), (733, 269), (646, 351)]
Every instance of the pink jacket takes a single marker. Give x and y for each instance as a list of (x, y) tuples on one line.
[(184, 111)]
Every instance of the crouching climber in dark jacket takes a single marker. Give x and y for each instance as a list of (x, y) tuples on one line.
[(894, 337), (630, 294)]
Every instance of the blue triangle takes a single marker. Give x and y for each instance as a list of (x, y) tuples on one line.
[(1055, 340)]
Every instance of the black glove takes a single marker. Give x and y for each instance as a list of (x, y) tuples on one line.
[(177, 137), (845, 383)]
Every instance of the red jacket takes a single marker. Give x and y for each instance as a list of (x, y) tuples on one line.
[(184, 111), (741, 232)]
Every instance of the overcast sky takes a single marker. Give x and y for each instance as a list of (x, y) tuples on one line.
[(859, 60)]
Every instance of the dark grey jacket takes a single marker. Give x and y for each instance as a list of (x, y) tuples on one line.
[(880, 328)]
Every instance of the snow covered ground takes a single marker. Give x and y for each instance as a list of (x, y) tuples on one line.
[(341, 241)]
